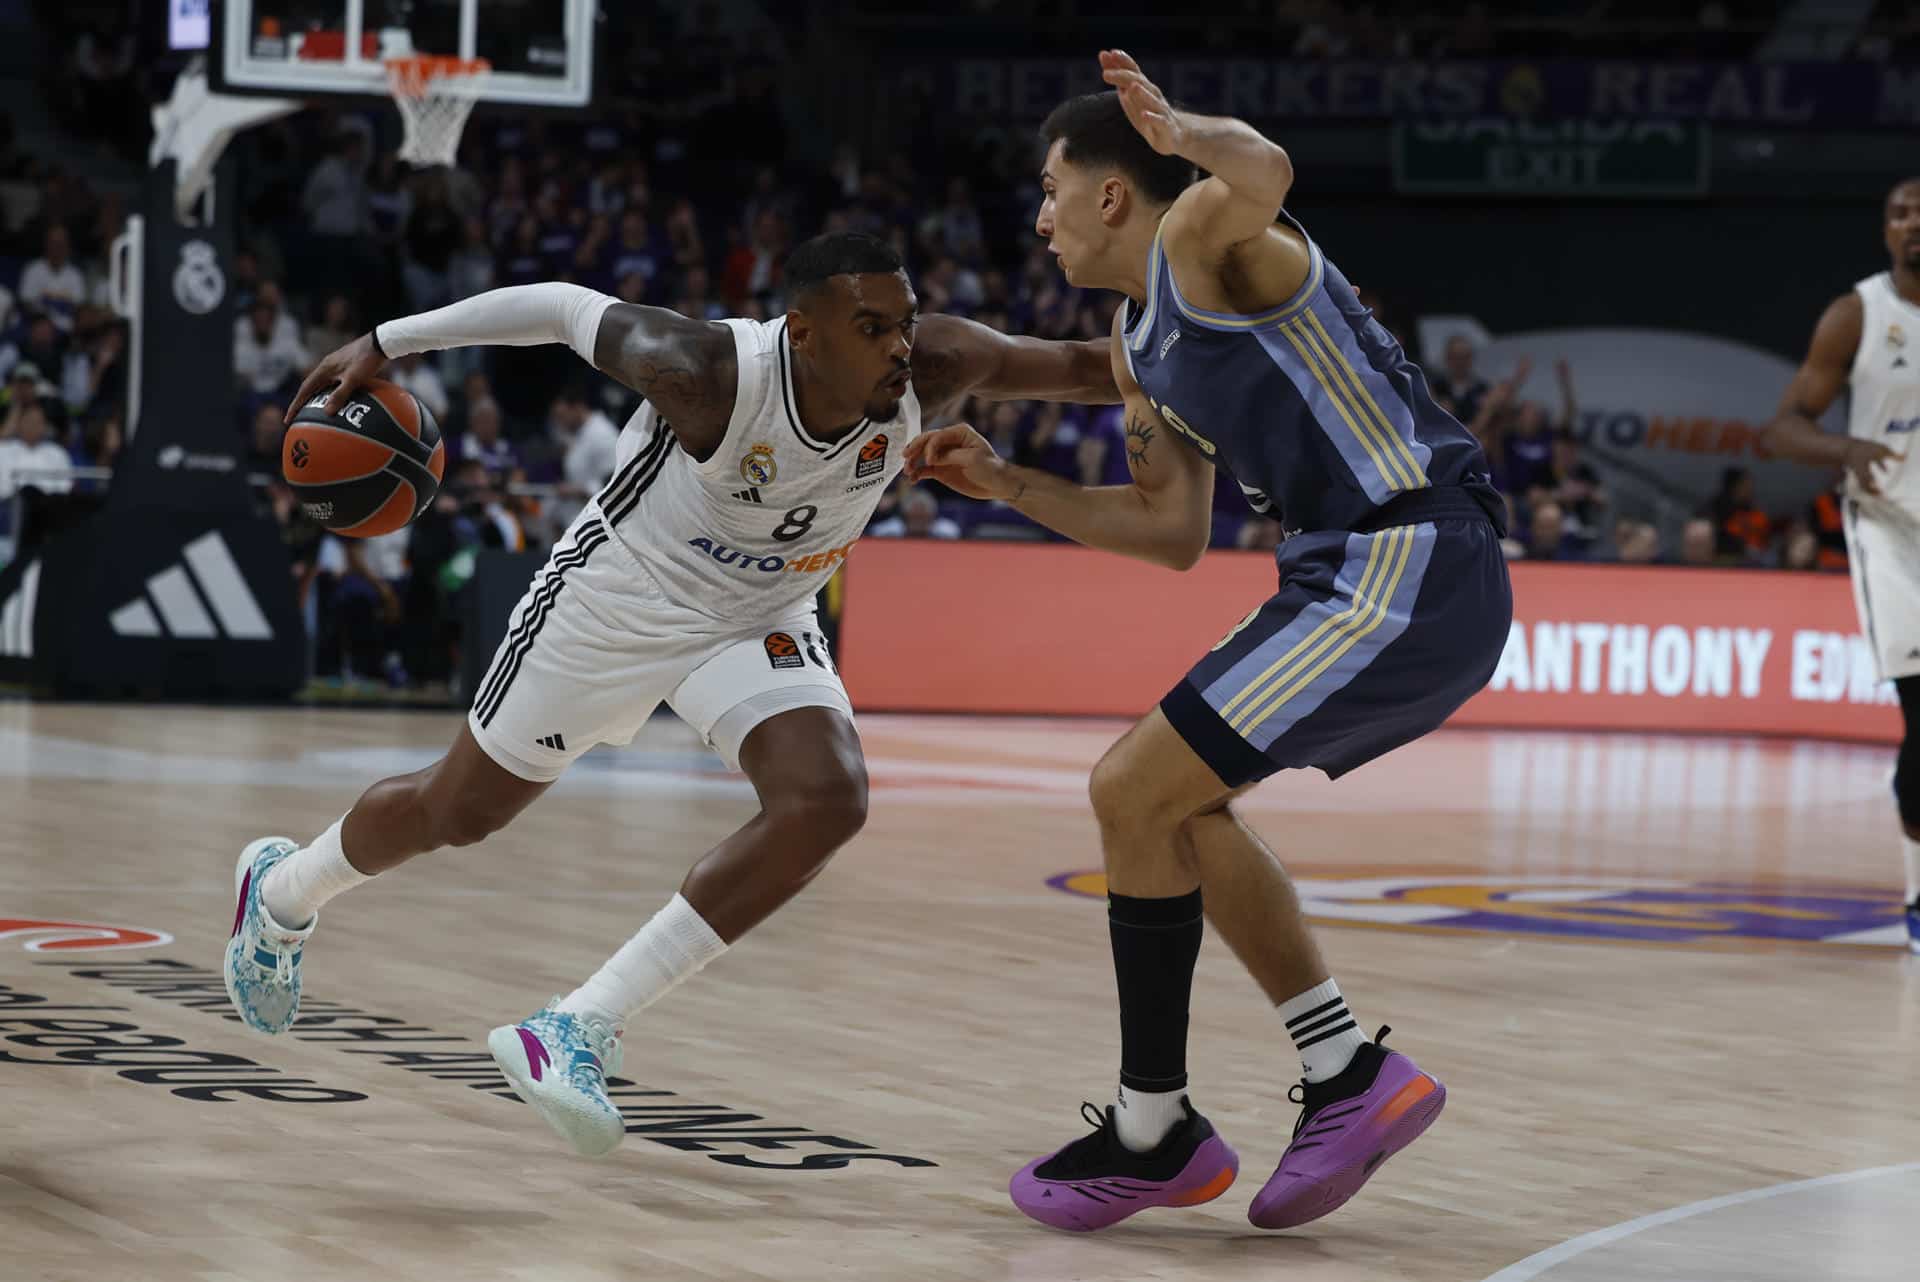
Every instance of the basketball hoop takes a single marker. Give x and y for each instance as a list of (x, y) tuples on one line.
[(435, 96)]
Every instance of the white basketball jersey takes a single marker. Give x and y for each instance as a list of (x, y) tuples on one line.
[(1886, 393), (762, 525)]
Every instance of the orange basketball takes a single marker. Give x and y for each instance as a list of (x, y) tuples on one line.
[(369, 469)]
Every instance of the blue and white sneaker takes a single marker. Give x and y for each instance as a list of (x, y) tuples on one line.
[(263, 957), (558, 1062), (1913, 928)]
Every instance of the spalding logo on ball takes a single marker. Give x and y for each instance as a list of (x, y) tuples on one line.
[(369, 469)]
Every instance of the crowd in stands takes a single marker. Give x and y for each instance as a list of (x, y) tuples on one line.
[(692, 206)]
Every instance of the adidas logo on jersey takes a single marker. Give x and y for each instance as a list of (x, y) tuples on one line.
[(748, 496)]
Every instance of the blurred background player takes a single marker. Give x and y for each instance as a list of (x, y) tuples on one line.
[(1868, 342)]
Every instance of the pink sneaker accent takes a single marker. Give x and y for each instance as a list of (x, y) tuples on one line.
[(1341, 1142), (537, 1057)]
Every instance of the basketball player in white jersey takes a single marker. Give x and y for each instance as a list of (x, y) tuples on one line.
[(1868, 340), (753, 466)]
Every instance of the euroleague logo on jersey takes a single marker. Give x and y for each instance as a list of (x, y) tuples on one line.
[(872, 458), (783, 651)]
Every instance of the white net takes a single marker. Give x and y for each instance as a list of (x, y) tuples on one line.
[(435, 97)]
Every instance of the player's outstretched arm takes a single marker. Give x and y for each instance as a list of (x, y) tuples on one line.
[(1794, 432), (954, 358), (1165, 516), (1250, 174), (687, 368)]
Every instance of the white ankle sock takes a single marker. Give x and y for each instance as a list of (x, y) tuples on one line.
[(1911, 849), (669, 949), (1323, 1030), (1144, 1118), (299, 885)]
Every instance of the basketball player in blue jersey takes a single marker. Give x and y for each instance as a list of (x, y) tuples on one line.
[(1242, 347)]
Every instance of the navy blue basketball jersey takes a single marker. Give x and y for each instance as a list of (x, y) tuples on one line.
[(1311, 406)]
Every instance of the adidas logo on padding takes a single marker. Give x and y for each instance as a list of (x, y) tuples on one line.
[(553, 741), (748, 496), (171, 605), (16, 616)]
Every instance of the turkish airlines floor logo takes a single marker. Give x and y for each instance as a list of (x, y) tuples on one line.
[(209, 567), (1599, 908), (38, 935)]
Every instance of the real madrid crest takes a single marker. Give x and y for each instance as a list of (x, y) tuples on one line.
[(1896, 337), (758, 467), (198, 282)]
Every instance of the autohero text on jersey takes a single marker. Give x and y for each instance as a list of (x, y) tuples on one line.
[(748, 563)]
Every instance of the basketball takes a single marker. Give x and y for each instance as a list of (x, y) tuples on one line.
[(369, 469)]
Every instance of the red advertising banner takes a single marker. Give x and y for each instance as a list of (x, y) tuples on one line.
[(981, 627)]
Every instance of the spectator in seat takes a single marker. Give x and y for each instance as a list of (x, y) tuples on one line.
[(919, 518), (336, 328), (267, 356), (1697, 542), (53, 283), (30, 457), (417, 376), (1460, 388), (1547, 537), (483, 443), (1826, 521), (1742, 532), (43, 347)]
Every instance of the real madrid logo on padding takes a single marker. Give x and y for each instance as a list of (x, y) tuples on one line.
[(872, 458), (758, 468), (198, 282)]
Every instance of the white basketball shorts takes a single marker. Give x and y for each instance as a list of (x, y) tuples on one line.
[(595, 646), (1884, 554)]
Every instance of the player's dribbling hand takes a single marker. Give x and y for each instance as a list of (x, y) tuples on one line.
[(960, 459), (1863, 457), (1146, 107), (351, 368)]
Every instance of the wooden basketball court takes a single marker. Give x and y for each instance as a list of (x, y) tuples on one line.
[(1660, 977)]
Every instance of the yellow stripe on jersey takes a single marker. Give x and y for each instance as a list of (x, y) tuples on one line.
[(1376, 563), (1397, 444), (1355, 630), (1363, 431)]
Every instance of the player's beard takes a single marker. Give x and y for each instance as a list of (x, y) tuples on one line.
[(888, 411)]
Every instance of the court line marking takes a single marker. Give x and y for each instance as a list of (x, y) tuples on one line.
[(1535, 1265)]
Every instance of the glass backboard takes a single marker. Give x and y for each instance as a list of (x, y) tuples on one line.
[(541, 50)]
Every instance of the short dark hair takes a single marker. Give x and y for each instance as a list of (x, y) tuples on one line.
[(840, 253), (1097, 132)]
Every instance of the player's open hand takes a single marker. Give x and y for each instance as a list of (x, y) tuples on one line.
[(348, 370), (1864, 458), (962, 460), (1146, 107)]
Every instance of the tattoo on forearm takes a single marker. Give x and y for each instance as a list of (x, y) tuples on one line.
[(1139, 437)]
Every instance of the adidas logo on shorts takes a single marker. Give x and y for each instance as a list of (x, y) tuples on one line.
[(553, 741)]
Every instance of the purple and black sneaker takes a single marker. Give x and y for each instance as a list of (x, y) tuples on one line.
[(1349, 1126), (1097, 1181)]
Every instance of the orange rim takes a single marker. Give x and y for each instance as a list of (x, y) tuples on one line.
[(411, 77)]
